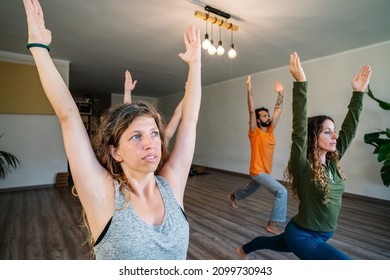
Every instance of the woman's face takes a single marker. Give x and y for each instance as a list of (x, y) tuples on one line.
[(139, 147), (327, 138)]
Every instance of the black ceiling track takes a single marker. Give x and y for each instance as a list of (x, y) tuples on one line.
[(217, 12)]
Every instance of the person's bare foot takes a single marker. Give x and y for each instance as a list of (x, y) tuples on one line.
[(241, 252), (273, 228), (232, 200)]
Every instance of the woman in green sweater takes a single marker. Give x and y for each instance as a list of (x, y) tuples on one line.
[(315, 174)]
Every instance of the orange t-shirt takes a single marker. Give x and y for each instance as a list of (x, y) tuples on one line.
[(262, 150)]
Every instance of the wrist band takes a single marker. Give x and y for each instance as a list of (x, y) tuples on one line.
[(38, 45)]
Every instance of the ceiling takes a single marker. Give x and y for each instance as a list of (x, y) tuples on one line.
[(102, 38)]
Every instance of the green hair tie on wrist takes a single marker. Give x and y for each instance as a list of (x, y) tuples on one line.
[(31, 45)]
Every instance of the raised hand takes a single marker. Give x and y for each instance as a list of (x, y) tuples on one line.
[(278, 87), (37, 32), (129, 87), (296, 68), (129, 83), (360, 81), (192, 43), (249, 83)]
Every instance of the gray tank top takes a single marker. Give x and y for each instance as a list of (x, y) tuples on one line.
[(130, 238)]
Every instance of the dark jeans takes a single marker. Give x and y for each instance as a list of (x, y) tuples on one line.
[(305, 244)]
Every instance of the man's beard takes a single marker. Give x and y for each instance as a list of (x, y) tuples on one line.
[(265, 124)]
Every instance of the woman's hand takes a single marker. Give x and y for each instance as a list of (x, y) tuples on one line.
[(37, 32), (192, 43), (361, 80), (296, 68)]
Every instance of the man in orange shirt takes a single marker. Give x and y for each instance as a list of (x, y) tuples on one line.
[(262, 141)]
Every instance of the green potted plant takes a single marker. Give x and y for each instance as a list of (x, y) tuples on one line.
[(381, 141), (7, 162)]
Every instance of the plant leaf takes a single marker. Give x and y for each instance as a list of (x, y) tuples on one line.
[(7, 162), (384, 105), (385, 174), (381, 144), (384, 152), (375, 139)]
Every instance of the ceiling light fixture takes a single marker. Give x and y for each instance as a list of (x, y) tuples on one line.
[(206, 43), (209, 44), (217, 12), (232, 52), (212, 50), (220, 49)]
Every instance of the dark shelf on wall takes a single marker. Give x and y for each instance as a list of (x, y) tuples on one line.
[(90, 115)]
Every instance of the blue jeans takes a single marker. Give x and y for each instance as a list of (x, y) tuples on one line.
[(305, 244), (279, 208)]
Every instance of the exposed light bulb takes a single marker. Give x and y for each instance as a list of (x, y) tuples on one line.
[(206, 43), (220, 49), (212, 50), (232, 53)]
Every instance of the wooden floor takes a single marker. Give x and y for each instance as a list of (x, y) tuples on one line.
[(45, 223), (41, 224), (217, 228)]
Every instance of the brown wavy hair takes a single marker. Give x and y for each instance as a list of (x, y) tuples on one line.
[(113, 124), (314, 128)]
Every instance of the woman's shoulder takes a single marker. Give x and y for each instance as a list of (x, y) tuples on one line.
[(161, 181)]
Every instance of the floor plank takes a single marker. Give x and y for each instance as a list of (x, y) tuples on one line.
[(363, 229), (45, 223)]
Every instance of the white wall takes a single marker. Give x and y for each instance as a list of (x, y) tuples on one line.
[(35, 139), (222, 140)]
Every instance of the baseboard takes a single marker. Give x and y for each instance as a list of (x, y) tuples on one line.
[(243, 175), (345, 195), (227, 172), (367, 198), (27, 188)]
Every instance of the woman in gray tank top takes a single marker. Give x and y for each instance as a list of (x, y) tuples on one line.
[(134, 211)]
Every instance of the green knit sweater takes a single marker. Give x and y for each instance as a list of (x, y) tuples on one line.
[(313, 213)]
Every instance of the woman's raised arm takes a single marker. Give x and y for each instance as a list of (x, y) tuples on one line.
[(89, 176), (176, 169)]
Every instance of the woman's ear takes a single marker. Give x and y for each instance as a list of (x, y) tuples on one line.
[(114, 153)]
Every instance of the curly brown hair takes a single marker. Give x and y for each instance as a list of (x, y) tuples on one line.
[(314, 128)]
